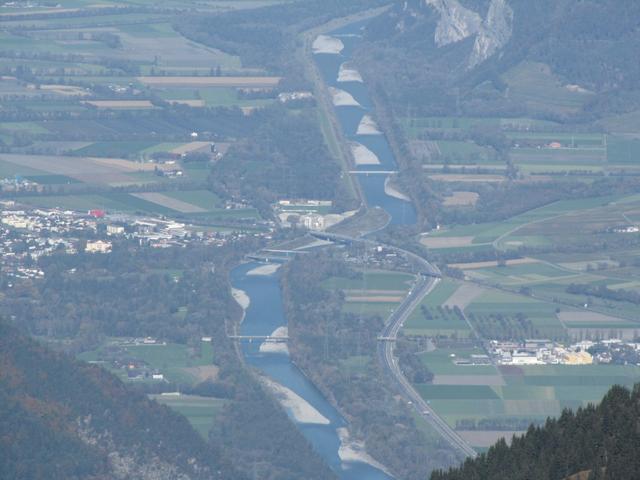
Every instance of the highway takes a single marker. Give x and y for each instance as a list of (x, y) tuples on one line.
[(427, 281), (423, 287)]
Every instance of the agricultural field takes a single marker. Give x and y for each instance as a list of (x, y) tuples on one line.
[(178, 363), (508, 233), (115, 98), (554, 291), (200, 411), (602, 281), (539, 89), (373, 292), (485, 403)]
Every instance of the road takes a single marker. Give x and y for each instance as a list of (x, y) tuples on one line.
[(427, 281), (423, 287)]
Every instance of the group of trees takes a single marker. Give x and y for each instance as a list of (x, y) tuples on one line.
[(497, 326), (602, 291), (126, 293), (285, 157), (267, 37), (569, 36), (325, 342), (172, 294), (64, 419), (598, 442)]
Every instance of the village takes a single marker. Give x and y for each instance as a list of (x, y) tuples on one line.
[(547, 352), (27, 234)]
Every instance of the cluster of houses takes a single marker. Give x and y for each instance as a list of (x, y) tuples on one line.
[(380, 257), (286, 97), (614, 351), (547, 352), (117, 358), (19, 184), (27, 234)]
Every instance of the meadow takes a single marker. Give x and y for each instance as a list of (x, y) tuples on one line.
[(200, 411), (178, 363), (496, 402)]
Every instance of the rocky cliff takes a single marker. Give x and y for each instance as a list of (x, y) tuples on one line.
[(457, 22)]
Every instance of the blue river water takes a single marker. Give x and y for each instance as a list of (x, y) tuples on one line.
[(266, 313), (349, 117)]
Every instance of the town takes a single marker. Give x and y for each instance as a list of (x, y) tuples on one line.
[(546, 352), (26, 234)]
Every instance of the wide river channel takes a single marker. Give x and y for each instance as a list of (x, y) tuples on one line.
[(265, 313)]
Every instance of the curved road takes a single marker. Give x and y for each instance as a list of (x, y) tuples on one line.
[(427, 281)]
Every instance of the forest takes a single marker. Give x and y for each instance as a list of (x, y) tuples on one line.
[(173, 294), (60, 418), (569, 35), (285, 157), (325, 338), (267, 37)]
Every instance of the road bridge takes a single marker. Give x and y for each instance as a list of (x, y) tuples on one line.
[(264, 338)]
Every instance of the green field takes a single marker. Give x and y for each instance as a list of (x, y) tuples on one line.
[(468, 392), (51, 179), (114, 149), (536, 86), (527, 393), (623, 151), (372, 280), (200, 411), (114, 202), (441, 362), (483, 233), (458, 152), (23, 127), (541, 314), (383, 309), (432, 320), (171, 359), (201, 198)]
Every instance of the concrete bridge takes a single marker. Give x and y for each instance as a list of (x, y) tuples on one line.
[(265, 338)]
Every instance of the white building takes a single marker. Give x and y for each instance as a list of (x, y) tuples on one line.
[(98, 246), (115, 230)]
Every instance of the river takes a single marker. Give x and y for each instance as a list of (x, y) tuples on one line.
[(263, 316), (265, 313), (351, 111)]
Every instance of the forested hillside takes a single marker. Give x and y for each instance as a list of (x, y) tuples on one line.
[(266, 37), (454, 55), (598, 442), (62, 419)]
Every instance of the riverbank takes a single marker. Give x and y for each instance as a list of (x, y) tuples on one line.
[(355, 451), (276, 346), (301, 410), (241, 297), (333, 132), (368, 126), (268, 269), (390, 190)]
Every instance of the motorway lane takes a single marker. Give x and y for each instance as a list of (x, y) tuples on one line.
[(385, 353), (424, 286)]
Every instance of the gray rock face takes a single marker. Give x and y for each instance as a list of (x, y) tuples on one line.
[(458, 23), (495, 32)]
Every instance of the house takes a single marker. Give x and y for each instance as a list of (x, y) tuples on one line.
[(98, 246), (96, 213), (115, 230)]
